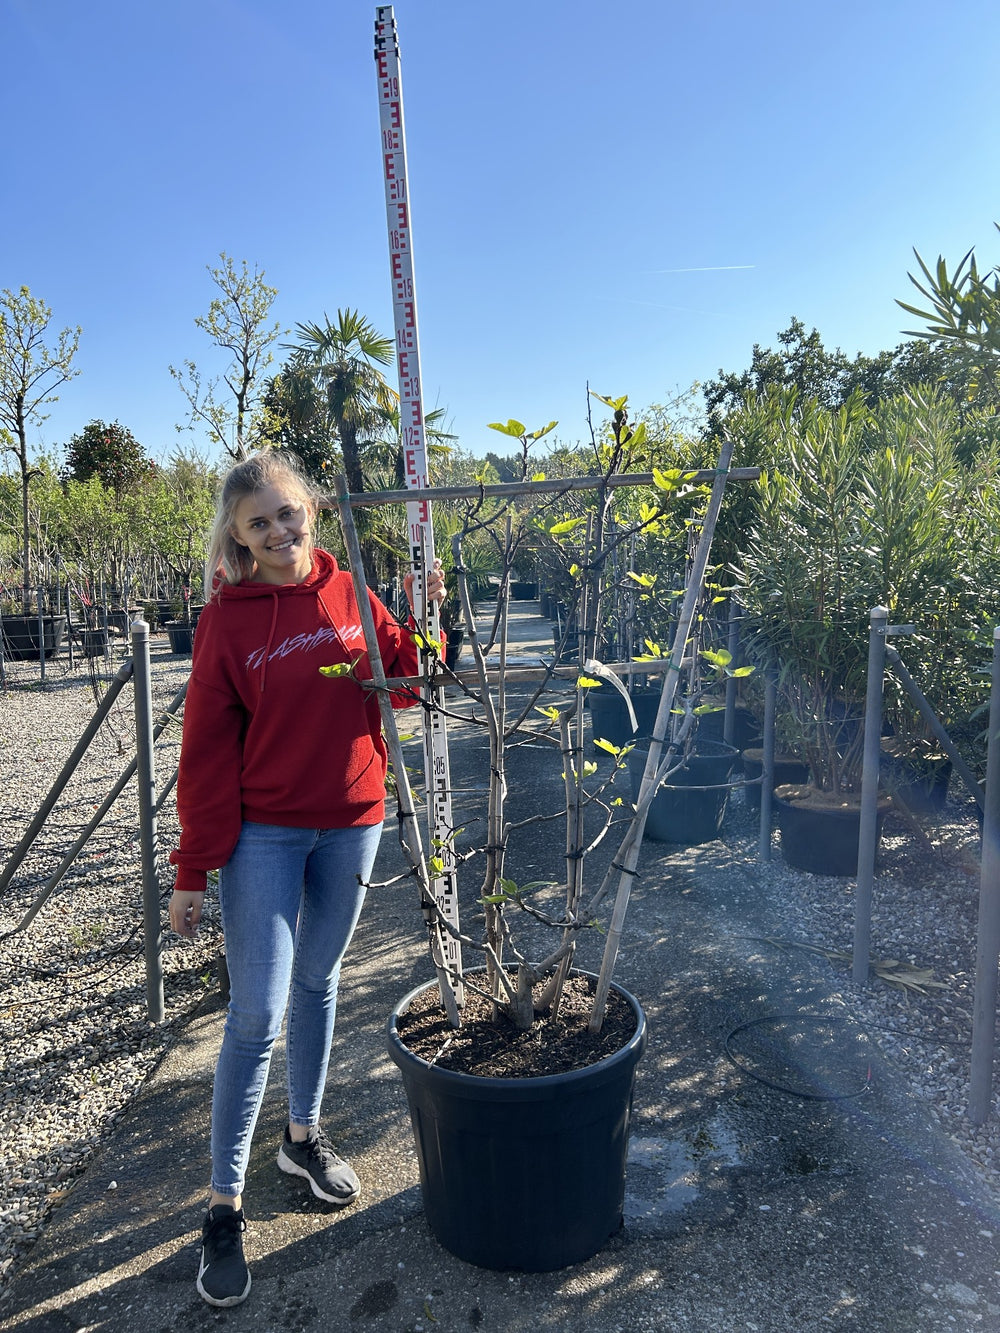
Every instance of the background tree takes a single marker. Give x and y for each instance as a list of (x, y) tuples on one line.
[(94, 537), (804, 364), (111, 453), (236, 324), (297, 418), (963, 319), (341, 360), (179, 508), (30, 372)]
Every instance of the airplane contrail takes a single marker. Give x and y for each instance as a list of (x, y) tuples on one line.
[(707, 268)]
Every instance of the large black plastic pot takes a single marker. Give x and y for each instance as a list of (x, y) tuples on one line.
[(21, 637), (609, 719), (525, 1173), (787, 769), (919, 781), (817, 836), (121, 621), (93, 642), (689, 808), (453, 648), (181, 636), (746, 729)]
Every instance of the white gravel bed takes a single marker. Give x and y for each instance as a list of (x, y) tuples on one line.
[(76, 1035), (78, 1042)]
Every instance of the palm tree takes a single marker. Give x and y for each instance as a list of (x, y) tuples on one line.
[(342, 357)]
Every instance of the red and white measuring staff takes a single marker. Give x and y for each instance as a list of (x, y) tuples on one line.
[(411, 425)]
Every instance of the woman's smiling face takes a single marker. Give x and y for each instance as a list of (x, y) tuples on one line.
[(275, 525)]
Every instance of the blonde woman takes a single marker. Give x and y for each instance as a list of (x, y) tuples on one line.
[(281, 788)]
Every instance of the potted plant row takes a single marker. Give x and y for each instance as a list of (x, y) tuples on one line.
[(522, 1166), (863, 507)]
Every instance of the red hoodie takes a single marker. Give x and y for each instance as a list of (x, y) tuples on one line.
[(269, 739)]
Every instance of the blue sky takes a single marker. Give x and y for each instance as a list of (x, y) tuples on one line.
[(629, 195)]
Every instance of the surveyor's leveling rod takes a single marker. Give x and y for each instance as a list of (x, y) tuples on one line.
[(412, 434)]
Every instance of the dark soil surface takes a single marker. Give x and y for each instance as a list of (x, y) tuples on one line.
[(494, 1048)]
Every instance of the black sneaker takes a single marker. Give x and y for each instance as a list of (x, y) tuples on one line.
[(329, 1178), (223, 1278)]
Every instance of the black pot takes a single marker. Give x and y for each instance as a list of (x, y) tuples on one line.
[(787, 769), (453, 648), (820, 838), (522, 591), (746, 730), (181, 636), (521, 1173), (609, 718), (569, 650), (93, 642), (121, 621), (21, 637), (691, 807), (920, 783)]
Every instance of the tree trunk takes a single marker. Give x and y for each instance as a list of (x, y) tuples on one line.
[(22, 456)]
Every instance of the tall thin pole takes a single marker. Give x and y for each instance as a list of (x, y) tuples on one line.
[(984, 1008), (437, 767), (767, 767), (153, 930), (868, 828)]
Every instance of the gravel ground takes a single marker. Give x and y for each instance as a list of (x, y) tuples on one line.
[(77, 1039), (78, 1043)]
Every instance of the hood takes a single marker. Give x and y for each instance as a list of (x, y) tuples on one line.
[(324, 567)]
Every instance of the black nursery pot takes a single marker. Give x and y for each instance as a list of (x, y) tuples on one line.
[(181, 636), (524, 1174), (746, 731), (93, 642), (453, 648), (787, 769), (691, 807), (21, 639), (819, 838), (920, 783), (609, 719)]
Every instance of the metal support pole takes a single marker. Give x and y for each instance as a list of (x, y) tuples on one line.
[(767, 766), (70, 649), (934, 725), (868, 831), (984, 1008), (147, 821), (41, 636)]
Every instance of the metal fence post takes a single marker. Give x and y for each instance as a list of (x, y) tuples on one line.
[(984, 1009), (146, 777), (868, 831), (41, 636), (767, 766)]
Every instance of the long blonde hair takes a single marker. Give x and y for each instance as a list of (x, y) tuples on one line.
[(227, 561)]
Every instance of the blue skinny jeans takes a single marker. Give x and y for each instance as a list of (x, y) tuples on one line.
[(290, 900)]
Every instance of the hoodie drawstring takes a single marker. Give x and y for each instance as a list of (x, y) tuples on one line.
[(270, 640)]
